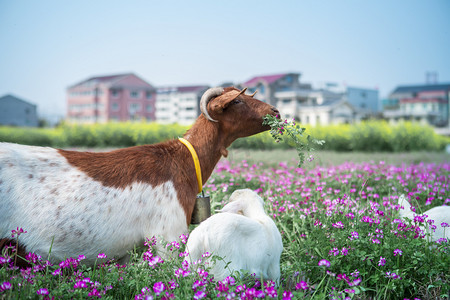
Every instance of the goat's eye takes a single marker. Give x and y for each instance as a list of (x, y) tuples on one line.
[(235, 101)]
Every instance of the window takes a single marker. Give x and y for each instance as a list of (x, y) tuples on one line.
[(115, 106), (134, 107), (149, 108), (286, 101), (134, 94), (317, 120), (148, 95), (114, 93)]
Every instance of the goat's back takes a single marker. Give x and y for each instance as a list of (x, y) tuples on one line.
[(62, 207), (245, 243)]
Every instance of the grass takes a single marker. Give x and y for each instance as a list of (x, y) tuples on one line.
[(332, 158), (338, 216)]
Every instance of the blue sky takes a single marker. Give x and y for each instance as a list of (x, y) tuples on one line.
[(48, 45)]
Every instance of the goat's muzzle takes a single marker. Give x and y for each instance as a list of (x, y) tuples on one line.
[(276, 112)]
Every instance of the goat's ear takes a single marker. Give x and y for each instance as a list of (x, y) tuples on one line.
[(220, 103), (234, 207)]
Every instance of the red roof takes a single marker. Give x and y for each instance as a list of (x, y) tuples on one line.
[(422, 100), (266, 78), (102, 79)]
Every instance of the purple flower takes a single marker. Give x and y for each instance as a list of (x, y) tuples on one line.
[(184, 238), (101, 255), (158, 287), (382, 261), (42, 291), (444, 224), (441, 240), (325, 263), (334, 251), (152, 262), (355, 273), (81, 257), (199, 295), (287, 295), (80, 285), (355, 282), (94, 293), (172, 284), (271, 291), (301, 285), (354, 235), (392, 275), (338, 225), (398, 252), (18, 231), (344, 251), (57, 272), (6, 285)]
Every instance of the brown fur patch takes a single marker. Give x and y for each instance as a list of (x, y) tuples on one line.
[(172, 161)]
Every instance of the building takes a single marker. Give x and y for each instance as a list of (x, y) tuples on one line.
[(123, 97), (17, 112), (427, 104), (179, 104), (316, 107), (290, 103), (329, 112), (363, 99), (268, 85)]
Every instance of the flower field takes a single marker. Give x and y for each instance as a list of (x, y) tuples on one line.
[(342, 237)]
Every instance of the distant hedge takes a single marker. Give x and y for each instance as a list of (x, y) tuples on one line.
[(365, 136)]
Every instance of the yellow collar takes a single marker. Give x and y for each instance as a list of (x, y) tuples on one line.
[(198, 171)]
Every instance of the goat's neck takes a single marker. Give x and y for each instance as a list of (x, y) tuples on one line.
[(209, 143), (256, 213)]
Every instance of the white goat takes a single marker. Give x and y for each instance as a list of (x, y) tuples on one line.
[(243, 235), (86, 203), (439, 214)]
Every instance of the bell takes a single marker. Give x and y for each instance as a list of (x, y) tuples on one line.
[(202, 209)]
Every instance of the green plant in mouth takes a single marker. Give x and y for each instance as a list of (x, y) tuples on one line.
[(296, 135)]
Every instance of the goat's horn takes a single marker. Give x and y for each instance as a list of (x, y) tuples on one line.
[(207, 96), (253, 94), (240, 93)]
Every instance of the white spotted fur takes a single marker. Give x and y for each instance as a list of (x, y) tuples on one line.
[(91, 217), (243, 235)]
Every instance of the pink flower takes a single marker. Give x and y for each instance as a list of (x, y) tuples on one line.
[(338, 225), (287, 295), (42, 291), (354, 235), (334, 251), (398, 252), (18, 231), (325, 263), (101, 255), (382, 261), (199, 295), (158, 287), (301, 285), (5, 286)]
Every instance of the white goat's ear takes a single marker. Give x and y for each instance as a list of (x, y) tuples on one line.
[(234, 207)]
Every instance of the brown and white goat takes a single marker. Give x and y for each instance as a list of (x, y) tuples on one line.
[(86, 203)]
